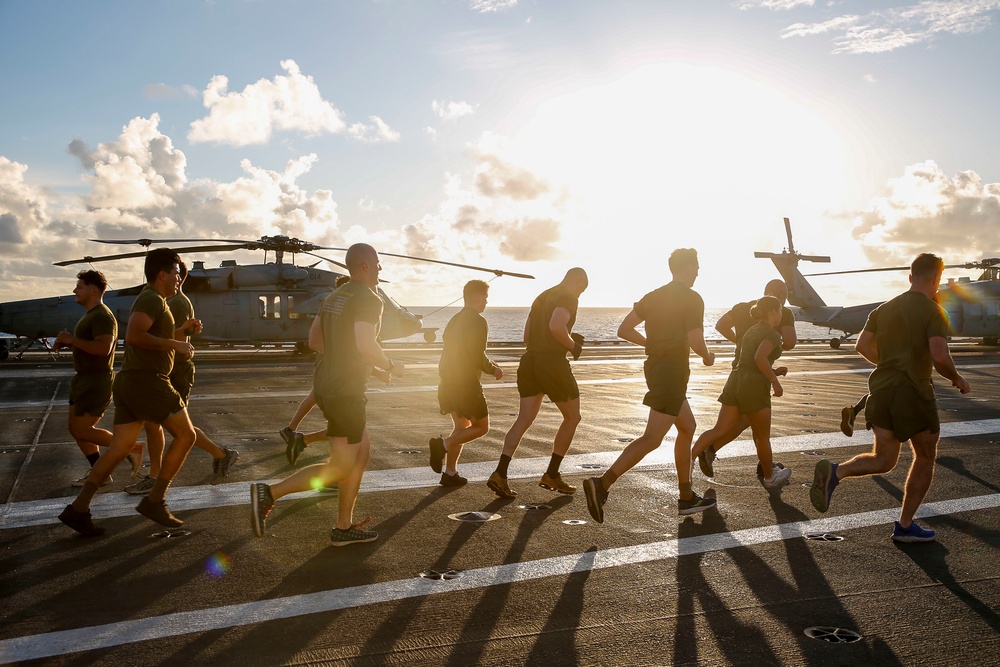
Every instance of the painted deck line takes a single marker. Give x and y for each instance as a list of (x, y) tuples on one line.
[(120, 504), (49, 644)]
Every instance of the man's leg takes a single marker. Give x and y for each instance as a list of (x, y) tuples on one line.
[(552, 480), (918, 480), (657, 425), (305, 406), (881, 459), (180, 427), (526, 413), (686, 425), (122, 439), (88, 437), (463, 431), (155, 444), (728, 425)]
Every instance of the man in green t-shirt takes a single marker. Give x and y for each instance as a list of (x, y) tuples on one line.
[(544, 370), (674, 316), (345, 335), (142, 393), (906, 338)]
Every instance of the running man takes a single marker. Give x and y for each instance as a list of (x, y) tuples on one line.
[(182, 379), (460, 393), (733, 326), (345, 336), (93, 344), (905, 338), (544, 370), (674, 316), (142, 392)]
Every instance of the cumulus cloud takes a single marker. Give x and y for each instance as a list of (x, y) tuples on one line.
[(495, 177), (894, 28), (290, 102), (431, 132), (376, 132), (775, 4), (451, 110), (926, 210), (22, 208), (869, 78), (369, 206), (483, 6)]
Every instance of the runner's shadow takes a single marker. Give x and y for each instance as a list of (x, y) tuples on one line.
[(556, 643)]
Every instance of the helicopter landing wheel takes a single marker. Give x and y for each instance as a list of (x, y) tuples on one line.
[(429, 337), (835, 343)]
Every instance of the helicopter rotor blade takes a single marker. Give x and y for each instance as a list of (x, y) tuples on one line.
[(326, 259), (498, 272), (148, 242), (143, 253), (973, 265)]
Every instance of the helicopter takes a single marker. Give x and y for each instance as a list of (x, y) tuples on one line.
[(257, 304), (972, 306)]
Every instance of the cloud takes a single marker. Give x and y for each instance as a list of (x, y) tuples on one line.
[(376, 132), (451, 110), (483, 6), (369, 206), (775, 4), (22, 208), (290, 102), (925, 210), (163, 91), (869, 78), (494, 178), (898, 27), (431, 132)]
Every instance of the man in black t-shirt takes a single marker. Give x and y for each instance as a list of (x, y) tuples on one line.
[(544, 370)]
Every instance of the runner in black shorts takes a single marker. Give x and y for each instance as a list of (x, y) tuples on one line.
[(906, 337), (674, 317), (345, 336), (460, 393), (544, 370)]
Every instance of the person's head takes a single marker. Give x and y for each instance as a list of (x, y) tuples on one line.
[(340, 281), (777, 289), (362, 263), (576, 280), (476, 293), (925, 272), (90, 286), (767, 309), (183, 269), (162, 269), (683, 265)]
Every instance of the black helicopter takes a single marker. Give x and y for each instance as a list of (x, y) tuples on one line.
[(973, 306), (257, 304)]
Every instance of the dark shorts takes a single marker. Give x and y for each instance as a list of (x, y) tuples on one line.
[(345, 416), (90, 393), (464, 400), (667, 381), (747, 391), (549, 374), (144, 396), (901, 409), (182, 379)]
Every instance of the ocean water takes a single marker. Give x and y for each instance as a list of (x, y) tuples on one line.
[(595, 324)]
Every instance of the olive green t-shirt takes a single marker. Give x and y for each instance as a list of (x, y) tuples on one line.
[(98, 321), (340, 370), (743, 320), (540, 338), (670, 312), (752, 339), (151, 303), (182, 310), (903, 327), (464, 358)]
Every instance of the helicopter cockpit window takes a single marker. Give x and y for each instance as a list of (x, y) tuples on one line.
[(268, 307)]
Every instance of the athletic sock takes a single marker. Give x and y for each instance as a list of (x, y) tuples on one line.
[(686, 491), (502, 465), (159, 491), (554, 463), (93, 458)]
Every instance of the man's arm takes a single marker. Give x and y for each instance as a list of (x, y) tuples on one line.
[(370, 350), (727, 327), (945, 365), (867, 347), (788, 337), (696, 340), (137, 334), (627, 329), (559, 326), (99, 347)]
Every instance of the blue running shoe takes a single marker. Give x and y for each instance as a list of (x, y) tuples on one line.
[(912, 534)]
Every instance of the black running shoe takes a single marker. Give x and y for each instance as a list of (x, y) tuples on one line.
[(287, 435), (261, 504), (695, 505), (705, 460), (452, 480), (80, 522), (437, 453), (847, 421), (353, 535), (158, 512), (220, 467), (596, 497)]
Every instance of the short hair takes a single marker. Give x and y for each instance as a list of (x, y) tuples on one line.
[(682, 258), (183, 269), (357, 254), (475, 288), (159, 259), (926, 267), (94, 278), (340, 280), (764, 305), (776, 287)]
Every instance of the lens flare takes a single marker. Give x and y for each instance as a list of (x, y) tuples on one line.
[(218, 565)]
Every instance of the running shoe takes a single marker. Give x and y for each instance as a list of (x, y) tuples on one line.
[(596, 497), (142, 487), (295, 448), (847, 421), (437, 453), (220, 467), (822, 486), (912, 534), (79, 482), (158, 512), (499, 486), (452, 480), (135, 458), (556, 483), (288, 435), (261, 504), (81, 522), (353, 535), (779, 477), (705, 460), (695, 505)]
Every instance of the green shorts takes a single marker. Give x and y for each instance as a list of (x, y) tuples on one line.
[(466, 401), (747, 391), (182, 379), (345, 416), (144, 396), (546, 373), (90, 393), (903, 411), (667, 381)]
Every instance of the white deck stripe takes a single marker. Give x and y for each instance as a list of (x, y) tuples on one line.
[(119, 504), (49, 644)]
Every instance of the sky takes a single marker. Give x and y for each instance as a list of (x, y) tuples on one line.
[(523, 135)]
